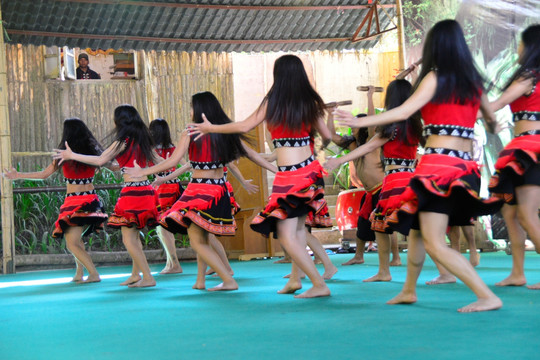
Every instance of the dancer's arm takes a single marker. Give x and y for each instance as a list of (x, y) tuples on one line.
[(374, 143), (36, 175), (246, 184), (489, 116), (370, 105), (239, 127), (325, 133), (172, 161), (176, 173), (94, 160), (422, 95), (258, 159), (337, 139), (353, 175), (517, 89)]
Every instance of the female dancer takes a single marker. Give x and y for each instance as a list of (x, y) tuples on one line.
[(399, 142), (517, 175), (292, 110), (137, 205), (168, 192), (444, 188), (205, 205), (82, 206)]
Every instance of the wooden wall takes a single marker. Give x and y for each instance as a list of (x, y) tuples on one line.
[(38, 106)]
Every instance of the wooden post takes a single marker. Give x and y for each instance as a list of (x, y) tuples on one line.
[(8, 234), (401, 35)]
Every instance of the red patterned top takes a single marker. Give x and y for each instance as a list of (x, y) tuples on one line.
[(165, 153), (450, 119), (283, 137), (78, 173), (200, 154), (527, 107), (133, 153)]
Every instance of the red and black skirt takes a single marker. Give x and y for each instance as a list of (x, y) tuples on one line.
[(320, 219), (297, 191), (445, 181), (168, 193), (80, 209), (369, 201), (518, 165), (394, 184), (204, 202), (136, 207), (235, 207)]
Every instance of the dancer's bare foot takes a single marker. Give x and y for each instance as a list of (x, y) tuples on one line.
[(534, 286), (176, 269), (442, 279), (144, 283), (512, 280), (131, 280), (210, 271), (355, 260), (474, 258), (379, 277), (93, 278), (290, 288), (317, 261), (216, 275), (283, 261), (329, 273), (403, 298), (318, 291), (225, 286), (395, 262), (492, 303), (288, 276), (199, 286), (77, 278)]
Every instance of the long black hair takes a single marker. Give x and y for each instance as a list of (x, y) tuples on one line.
[(161, 134), (225, 147), (529, 61), (292, 101), (79, 138), (131, 130), (410, 130), (446, 52)]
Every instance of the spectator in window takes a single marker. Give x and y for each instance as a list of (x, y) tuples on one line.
[(83, 71)]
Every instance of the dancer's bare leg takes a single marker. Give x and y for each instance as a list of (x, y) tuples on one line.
[(517, 237), (79, 271), (199, 241), (200, 283), (286, 258), (474, 256), (433, 227), (292, 236), (168, 242), (416, 254), (294, 282), (394, 248), (130, 238), (528, 199), (358, 255), (383, 244), (445, 277), (220, 250), (76, 247), (315, 245)]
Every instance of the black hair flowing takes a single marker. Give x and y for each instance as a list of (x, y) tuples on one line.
[(291, 101), (446, 52), (529, 61), (161, 134), (225, 147), (410, 130), (79, 138), (131, 130)]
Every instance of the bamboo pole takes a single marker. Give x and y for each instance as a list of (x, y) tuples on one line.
[(401, 35), (6, 202)]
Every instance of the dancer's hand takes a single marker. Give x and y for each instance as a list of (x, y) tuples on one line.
[(200, 129), (63, 155), (345, 118), (250, 188), (331, 163), (159, 180), (10, 174), (135, 171)]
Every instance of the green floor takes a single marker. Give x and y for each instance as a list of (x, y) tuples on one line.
[(44, 317)]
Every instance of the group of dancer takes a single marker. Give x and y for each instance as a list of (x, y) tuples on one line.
[(419, 199)]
